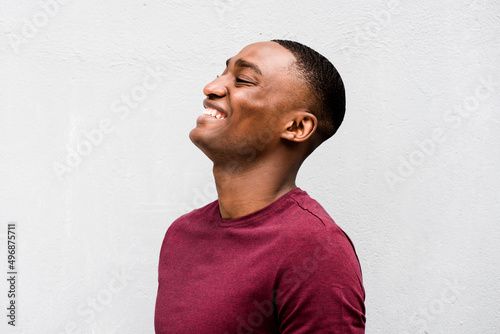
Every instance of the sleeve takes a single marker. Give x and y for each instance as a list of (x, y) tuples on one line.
[(319, 287)]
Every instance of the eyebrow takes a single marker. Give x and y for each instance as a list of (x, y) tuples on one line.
[(244, 63)]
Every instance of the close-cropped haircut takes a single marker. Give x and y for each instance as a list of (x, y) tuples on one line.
[(324, 83)]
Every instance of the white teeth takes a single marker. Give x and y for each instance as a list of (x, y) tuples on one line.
[(214, 113)]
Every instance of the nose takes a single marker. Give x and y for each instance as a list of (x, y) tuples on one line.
[(216, 88)]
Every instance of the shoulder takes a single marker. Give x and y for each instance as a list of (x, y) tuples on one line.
[(190, 223), (319, 285), (316, 240), (196, 215), (310, 221), (309, 210)]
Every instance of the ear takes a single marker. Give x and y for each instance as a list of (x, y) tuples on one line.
[(300, 126)]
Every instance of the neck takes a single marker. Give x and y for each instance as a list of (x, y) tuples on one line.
[(243, 192)]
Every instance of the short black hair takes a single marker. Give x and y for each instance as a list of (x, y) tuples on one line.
[(325, 84)]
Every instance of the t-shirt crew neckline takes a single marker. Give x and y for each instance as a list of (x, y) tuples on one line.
[(257, 215)]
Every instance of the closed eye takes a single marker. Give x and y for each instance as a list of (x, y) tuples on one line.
[(240, 80)]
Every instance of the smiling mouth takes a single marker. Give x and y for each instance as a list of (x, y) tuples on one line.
[(214, 113)]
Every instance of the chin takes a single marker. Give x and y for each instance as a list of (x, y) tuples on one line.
[(196, 139), (200, 142)]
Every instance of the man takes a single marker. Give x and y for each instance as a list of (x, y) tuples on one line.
[(264, 257)]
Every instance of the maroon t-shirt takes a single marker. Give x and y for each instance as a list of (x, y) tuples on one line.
[(287, 268)]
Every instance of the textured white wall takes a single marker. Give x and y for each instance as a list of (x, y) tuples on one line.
[(412, 175)]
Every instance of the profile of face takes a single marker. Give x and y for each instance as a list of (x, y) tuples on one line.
[(246, 104)]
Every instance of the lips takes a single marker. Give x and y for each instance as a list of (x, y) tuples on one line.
[(213, 110)]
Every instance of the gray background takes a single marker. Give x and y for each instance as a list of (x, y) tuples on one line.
[(411, 176)]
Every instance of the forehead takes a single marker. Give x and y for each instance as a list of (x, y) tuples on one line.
[(270, 57)]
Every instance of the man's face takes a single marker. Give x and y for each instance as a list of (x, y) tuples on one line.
[(249, 101)]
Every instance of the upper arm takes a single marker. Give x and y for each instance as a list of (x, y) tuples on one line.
[(319, 287)]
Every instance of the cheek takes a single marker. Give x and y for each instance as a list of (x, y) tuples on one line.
[(258, 129), (258, 106), (249, 104), (258, 115)]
